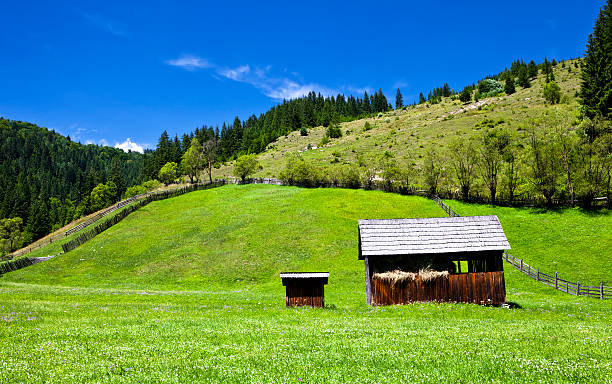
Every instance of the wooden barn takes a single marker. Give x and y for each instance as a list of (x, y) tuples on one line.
[(451, 259), (305, 288)]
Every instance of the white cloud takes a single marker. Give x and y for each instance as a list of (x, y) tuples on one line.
[(278, 88), (238, 74), (190, 62), (129, 145), (273, 86)]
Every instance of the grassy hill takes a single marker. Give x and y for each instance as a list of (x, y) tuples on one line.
[(408, 134), (187, 289)]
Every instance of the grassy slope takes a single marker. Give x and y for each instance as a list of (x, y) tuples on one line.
[(410, 133), (203, 302), (571, 241)]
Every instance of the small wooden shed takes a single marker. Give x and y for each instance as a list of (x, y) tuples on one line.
[(452, 259), (305, 288)]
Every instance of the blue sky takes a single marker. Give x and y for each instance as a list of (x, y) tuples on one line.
[(106, 72)]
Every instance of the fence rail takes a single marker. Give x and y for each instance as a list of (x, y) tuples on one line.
[(577, 289)]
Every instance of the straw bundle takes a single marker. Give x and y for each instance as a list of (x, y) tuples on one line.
[(398, 277), (394, 277)]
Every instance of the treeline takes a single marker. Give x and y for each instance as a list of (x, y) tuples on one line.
[(255, 133), (47, 181), (519, 73)]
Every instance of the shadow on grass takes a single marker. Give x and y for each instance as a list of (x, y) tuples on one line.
[(513, 305)]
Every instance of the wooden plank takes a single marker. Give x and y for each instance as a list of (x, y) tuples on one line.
[(479, 288)]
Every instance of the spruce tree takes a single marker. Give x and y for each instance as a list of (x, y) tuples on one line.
[(523, 78), (367, 107), (422, 98), (509, 86), (399, 101), (596, 89), (532, 69)]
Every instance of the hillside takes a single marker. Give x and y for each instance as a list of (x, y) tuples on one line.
[(187, 289), (405, 136), (46, 178)]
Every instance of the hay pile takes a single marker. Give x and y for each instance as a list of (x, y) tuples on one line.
[(398, 277), (431, 275), (394, 277)]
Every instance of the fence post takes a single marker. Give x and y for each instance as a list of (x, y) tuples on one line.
[(601, 290), (521, 264), (538, 274), (556, 284), (577, 288)]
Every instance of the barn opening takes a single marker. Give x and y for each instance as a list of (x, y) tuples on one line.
[(448, 259)]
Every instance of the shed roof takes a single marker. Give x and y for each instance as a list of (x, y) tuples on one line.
[(431, 235), (303, 275)]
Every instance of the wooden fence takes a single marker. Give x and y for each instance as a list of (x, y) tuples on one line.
[(101, 214), (154, 196), (601, 291)]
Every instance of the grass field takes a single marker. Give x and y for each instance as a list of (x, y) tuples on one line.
[(187, 289)]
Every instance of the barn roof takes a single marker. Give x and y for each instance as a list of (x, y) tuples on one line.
[(431, 235)]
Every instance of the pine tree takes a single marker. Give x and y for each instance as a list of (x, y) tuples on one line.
[(367, 108), (523, 78), (596, 90), (422, 98), (399, 101), (532, 69), (509, 86)]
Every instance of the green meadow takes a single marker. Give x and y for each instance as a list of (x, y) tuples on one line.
[(187, 290)]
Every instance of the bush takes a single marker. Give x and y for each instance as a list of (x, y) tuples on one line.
[(552, 92), (304, 131), (465, 96), (367, 126), (333, 131), (301, 172), (246, 166), (490, 87), (133, 191), (151, 185), (168, 172)]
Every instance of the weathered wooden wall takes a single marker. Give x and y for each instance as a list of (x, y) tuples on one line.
[(299, 295), (479, 288)]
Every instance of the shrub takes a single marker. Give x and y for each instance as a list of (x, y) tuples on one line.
[(490, 87), (168, 172), (552, 92), (367, 126), (304, 131), (301, 172), (333, 131), (133, 191), (151, 185), (466, 95), (245, 166)]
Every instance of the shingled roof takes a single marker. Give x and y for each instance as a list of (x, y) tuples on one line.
[(430, 235)]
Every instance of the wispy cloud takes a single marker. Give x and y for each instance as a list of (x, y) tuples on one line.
[(237, 74), (275, 87), (278, 87), (105, 24), (190, 62), (129, 145)]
